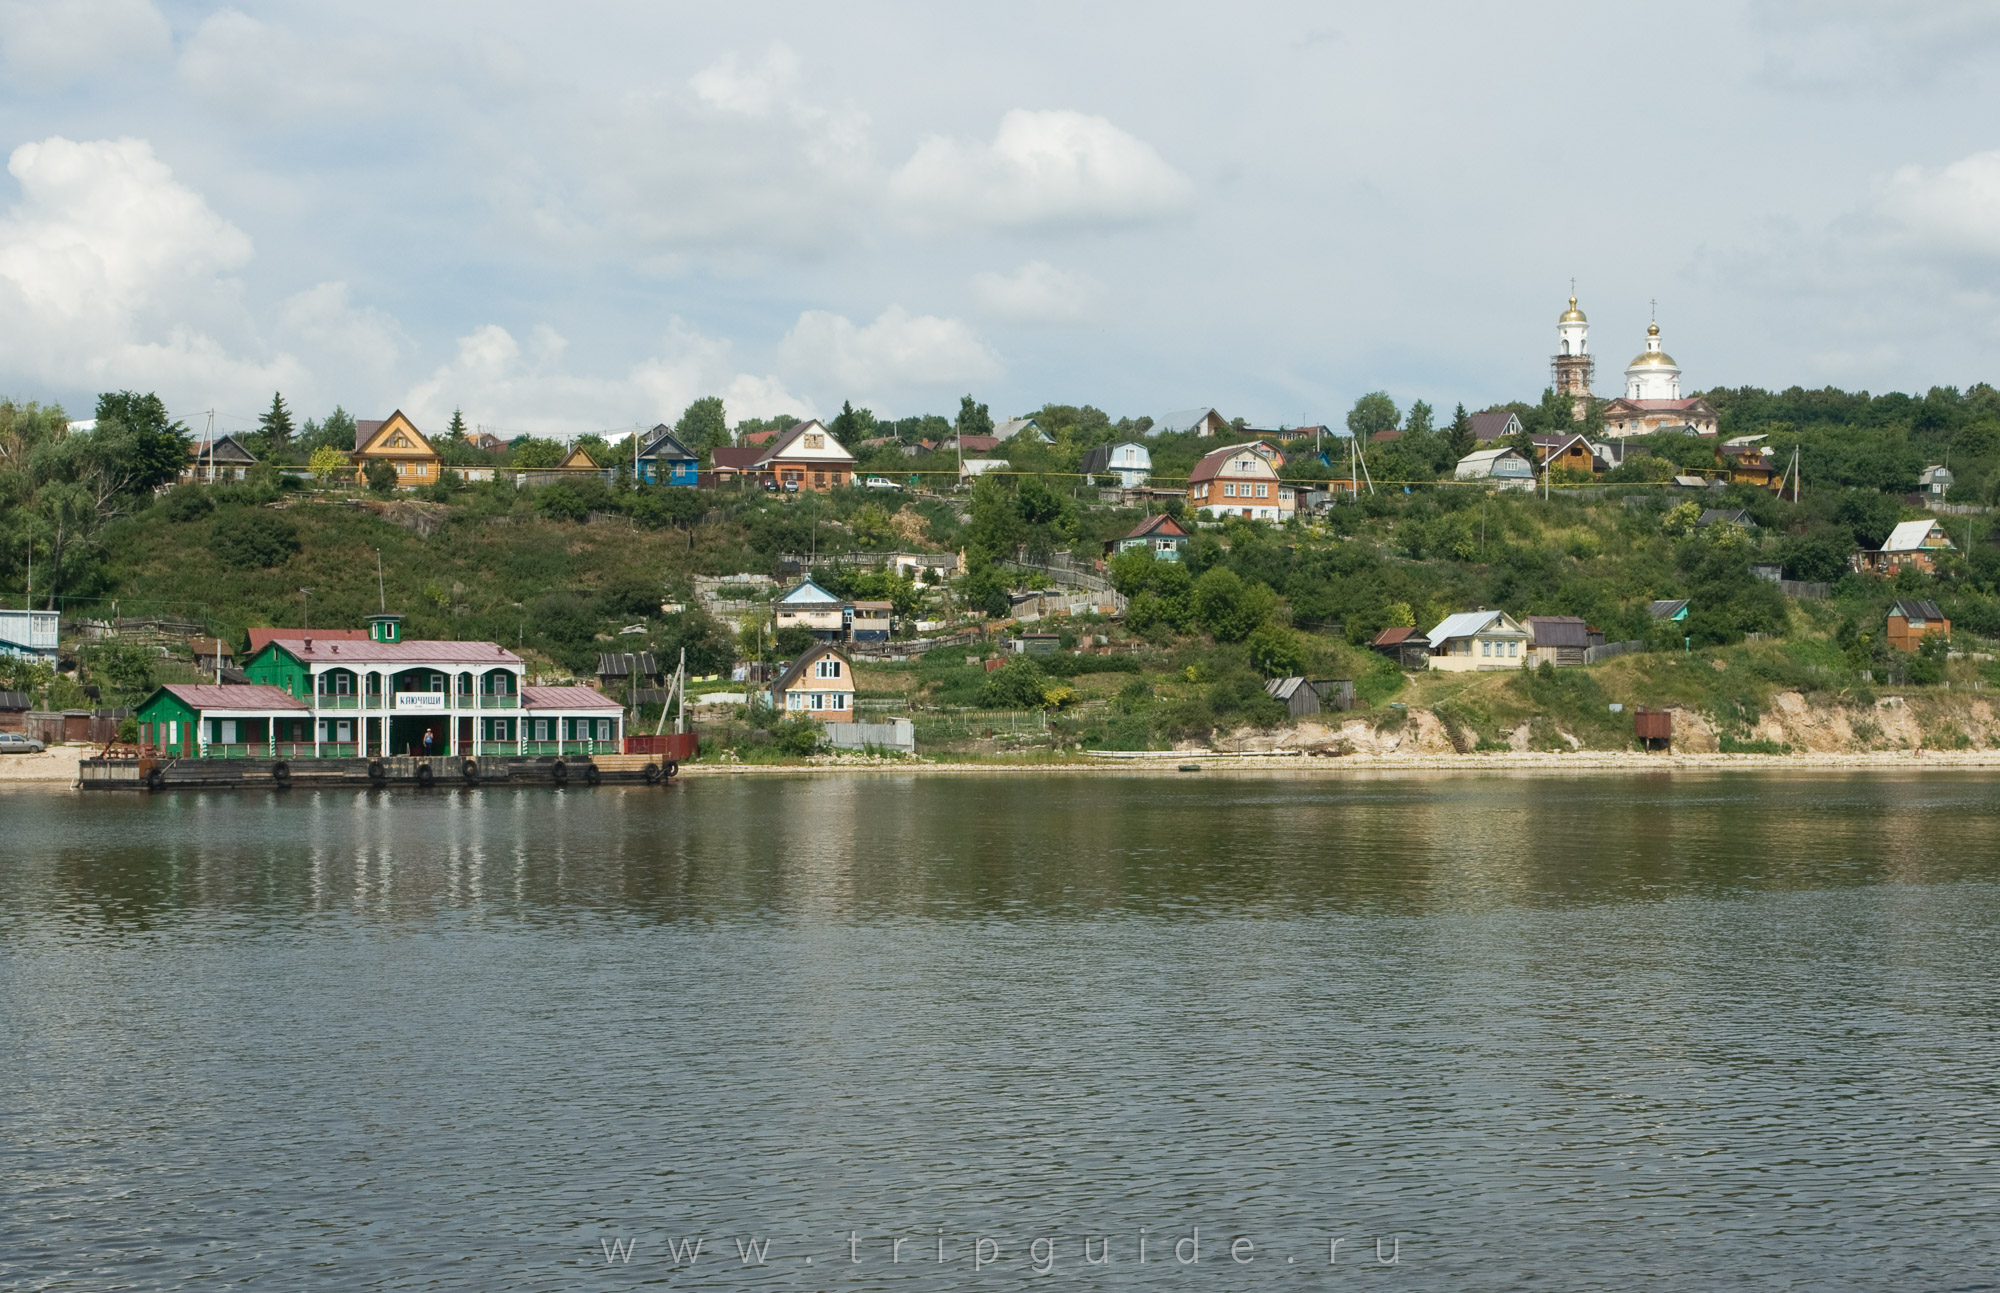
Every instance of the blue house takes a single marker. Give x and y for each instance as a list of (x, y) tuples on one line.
[(665, 460)]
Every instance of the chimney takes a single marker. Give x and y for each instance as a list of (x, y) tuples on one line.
[(309, 644)]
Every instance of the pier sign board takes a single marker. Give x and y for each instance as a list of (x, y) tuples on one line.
[(426, 702)]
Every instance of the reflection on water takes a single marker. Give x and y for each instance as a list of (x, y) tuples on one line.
[(1599, 1031)]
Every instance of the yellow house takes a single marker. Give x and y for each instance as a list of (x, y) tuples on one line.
[(396, 441), (578, 460)]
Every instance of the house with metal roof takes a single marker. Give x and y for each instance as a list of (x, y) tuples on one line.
[(1013, 427), (1128, 460), (664, 460), (819, 685), (1488, 427), (1911, 543), (808, 606), (1478, 640), (1241, 480), (1160, 534), (1935, 482), (396, 441), (1202, 422), (222, 458), (1674, 612), (1910, 622), (1500, 468)]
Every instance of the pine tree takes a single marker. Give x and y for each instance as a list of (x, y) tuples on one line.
[(457, 428), (276, 425), (1460, 439)]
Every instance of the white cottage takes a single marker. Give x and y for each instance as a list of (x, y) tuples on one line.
[(1473, 640)]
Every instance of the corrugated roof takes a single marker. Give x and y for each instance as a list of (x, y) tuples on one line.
[(732, 459), (1665, 609), (1919, 610), (623, 664), (566, 698), (1158, 524), (1491, 426), (261, 638), (1908, 536), (351, 652), (1462, 625), (1397, 636), (1284, 688), (1181, 420), (808, 593), (233, 696)]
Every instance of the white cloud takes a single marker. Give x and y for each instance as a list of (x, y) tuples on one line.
[(112, 272), (49, 43), (1037, 292), (499, 382), (738, 160), (233, 59), (755, 93), (1950, 212), (1042, 168), (897, 351)]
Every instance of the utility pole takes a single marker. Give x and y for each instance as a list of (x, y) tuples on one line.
[(305, 608), (381, 589), (211, 446)]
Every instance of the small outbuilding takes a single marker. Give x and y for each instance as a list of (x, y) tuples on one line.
[(1911, 622), (1403, 644), (1674, 611), (1302, 697), (1559, 640)]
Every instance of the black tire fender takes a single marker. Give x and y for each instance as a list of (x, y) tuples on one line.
[(560, 771), (376, 772), (652, 774), (155, 778), (671, 769), (424, 774), (590, 774), (281, 772), (469, 769)]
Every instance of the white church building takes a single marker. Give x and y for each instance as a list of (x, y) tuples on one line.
[(1652, 400)]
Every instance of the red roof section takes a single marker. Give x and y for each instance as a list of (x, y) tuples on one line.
[(347, 651), (261, 638), (234, 695), (726, 458), (1160, 524), (566, 698), (760, 437), (1393, 636)]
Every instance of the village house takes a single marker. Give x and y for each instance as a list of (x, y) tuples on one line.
[(1404, 645), (1498, 425), (1911, 543), (1021, 426), (1241, 481), (1201, 422), (1475, 640), (970, 469), (1911, 622), (223, 458), (578, 459), (1571, 451), (963, 444), (29, 634), (1748, 461), (1161, 534), (1128, 460), (222, 721), (870, 621), (819, 684), (664, 460), (808, 606), (1934, 482), (1502, 468), (396, 441)]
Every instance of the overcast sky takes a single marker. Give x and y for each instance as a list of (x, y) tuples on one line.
[(578, 217)]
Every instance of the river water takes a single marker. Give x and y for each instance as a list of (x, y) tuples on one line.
[(1594, 1032)]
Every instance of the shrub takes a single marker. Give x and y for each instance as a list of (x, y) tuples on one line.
[(188, 503), (255, 540), (381, 476), (561, 502)]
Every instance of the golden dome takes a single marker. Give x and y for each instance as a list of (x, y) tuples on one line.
[(1653, 329), (1653, 359), (1572, 314)]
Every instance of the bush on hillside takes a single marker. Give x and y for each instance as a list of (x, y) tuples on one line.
[(254, 539)]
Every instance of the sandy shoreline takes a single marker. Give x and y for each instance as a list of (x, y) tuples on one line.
[(58, 766)]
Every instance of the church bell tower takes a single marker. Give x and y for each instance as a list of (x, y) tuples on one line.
[(1572, 367)]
